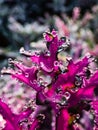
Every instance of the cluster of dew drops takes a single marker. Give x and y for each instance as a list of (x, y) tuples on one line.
[(45, 80)]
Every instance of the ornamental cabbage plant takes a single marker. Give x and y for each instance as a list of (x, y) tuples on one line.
[(66, 90)]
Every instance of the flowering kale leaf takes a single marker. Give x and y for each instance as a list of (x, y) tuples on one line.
[(65, 90)]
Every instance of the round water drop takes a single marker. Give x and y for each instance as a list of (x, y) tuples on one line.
[(75, 89), (23, 121), (76, 126), (9, 68), (64, 46), (10, 60), (22, 50), (68, 41), (3, 70), (56, 63), (34, 81), (67, 95), (31, 82), (88, 55), (74, 121), (45, 84), (1, 75), (60, 49), (88, 73), (41, 117), (63, 100), (63, 39), (2, 122), (78, 81), (58, 90), (26, 75), (77, 116), (41, 64), (69, 58), (29, 51), (16, 61), (19, 72), (40, 80), (47, 53), (58, 106), (37, 53)]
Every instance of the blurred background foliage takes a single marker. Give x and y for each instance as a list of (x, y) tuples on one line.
[(22, 22)]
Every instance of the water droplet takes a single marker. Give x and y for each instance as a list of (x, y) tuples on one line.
[(24, 120), (26, 75), (45, 84), (58, 90), (78, 81), (69, 58), (74, 121), (67, 95), (77, 116), (88, 73), (2, 122), (95, 121), (64, 46), (10, 60), (68, 41), (4, 68), (74, 90), (63, 100), (60, 49), (19, 72), (45, 90), (40, 80), (91, 59), (37, 53), (24, 124), (56, 63), (27, 53), (76, 126), (41, 64), (1, 75), (47, 53), (58, 106), (5, 71), (58, 113), (31, 81), (15, 61), (88, 55), (41, 117), (63, 68), (63, 39), (34, 81), (22, 50)]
